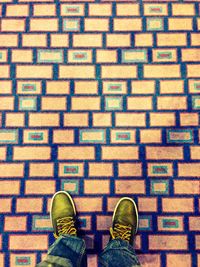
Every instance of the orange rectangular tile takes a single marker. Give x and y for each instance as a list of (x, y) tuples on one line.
[(129, 169), (87, 40), (8, 40), (3, 151), (143, 87), (86, 87), (162, 119), (7, 103), (85, 103), (99, 9), (96, 24), (52, 103), (100, 169), (9, 187), (181, 204), (127, 24), (17, 10), (171, 39), (43, 119), (63, 136), (76, 153), (148, 204), (39, 187), (43, 24), (5, 87), (120, 153), (10, 170), (195, 152), (143, 39), (118, 71), (174, 260), (183, 187), (5, 205), (16, 119), (33, 71), (194, 223), (106, 56), (195, 40), (30, 205), (42, 10), (136, 119), (130, 187), (151, 136), (31, 153), (164, 152), (76, 119), (172, 86), (12, 25), (27, 242), (22, 55), (59, 40), (162, 71), (189, 119), (57, 87), (88, 204), (192, 70), (2, 257), (180, 24), (76, 72), (190, 54), (127, 9), (183, 9), (41, 169), (168, 242), (171, 102), (100, 119), (5, 71), (191, 169), (118, 40), (34, 40), (15, 223), (96, 186), (139, 103)]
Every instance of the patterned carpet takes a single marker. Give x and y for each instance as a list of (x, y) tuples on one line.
[(101, 100)]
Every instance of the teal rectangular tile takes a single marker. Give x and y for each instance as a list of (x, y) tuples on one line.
[(170, 223), (160, 169), (159, 187), (22, 261), (180, 136), (92, 136), (69, 169), (71, 186)]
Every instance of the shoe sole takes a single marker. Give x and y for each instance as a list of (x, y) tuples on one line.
[(68, 195), (127, 198)]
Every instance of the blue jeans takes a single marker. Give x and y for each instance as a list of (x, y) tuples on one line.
[(69, 251)]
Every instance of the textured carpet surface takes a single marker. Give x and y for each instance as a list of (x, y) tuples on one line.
[(100, 99)]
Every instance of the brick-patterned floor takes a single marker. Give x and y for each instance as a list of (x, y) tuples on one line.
[(102, 100)]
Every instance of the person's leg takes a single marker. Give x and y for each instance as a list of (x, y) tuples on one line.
[(120, 252), (68, 250)]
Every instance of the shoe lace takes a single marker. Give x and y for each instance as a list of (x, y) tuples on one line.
[(65, 225), (121, 231)]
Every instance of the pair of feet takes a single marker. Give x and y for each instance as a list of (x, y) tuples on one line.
[(63, 217)]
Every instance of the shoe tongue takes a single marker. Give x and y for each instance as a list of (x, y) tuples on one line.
[(123, 222)]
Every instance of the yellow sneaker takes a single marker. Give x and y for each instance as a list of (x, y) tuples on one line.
[(125, 220), (63, 214)]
